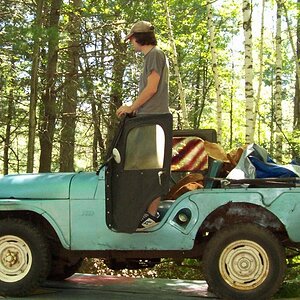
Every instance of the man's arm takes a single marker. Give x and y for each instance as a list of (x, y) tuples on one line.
[(146, 94)]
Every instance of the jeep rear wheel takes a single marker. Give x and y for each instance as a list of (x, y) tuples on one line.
[(24, 257), (244, 261)]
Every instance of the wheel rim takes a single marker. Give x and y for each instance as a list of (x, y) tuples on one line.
[(244, 265), (15, 258)]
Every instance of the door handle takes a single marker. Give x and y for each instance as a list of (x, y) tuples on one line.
[(160, 173)]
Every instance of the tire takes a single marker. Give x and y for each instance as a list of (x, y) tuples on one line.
[(244, 261), (24, 258), (61, 269)]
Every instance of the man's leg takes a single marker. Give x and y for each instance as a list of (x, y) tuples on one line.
[(152, 208), (150, 219)]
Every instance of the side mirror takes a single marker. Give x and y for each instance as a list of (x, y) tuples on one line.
[(116, 155)]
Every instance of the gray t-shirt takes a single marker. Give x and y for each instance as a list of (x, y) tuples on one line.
[(156, 60)]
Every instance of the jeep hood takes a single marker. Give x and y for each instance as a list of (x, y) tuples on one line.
[(36, 186)]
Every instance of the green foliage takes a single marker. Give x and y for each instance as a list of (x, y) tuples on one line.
[(291, 287), (109, 71), (189, 269)]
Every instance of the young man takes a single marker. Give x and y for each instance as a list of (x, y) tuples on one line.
[(153, 94)]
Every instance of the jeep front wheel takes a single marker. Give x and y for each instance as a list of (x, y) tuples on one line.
[(24, 257), (244, 261)]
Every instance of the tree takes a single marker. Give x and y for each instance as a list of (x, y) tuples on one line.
[(185, 122), (118, 69), (247, 20), (7, 139), (278, 85), (96, 104), (296, 54), (261, 64), (34, 85), (297, 85), (48, 117), (215, 70), (67, 140)]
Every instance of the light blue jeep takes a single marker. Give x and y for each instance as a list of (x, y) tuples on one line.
[(50, 222)]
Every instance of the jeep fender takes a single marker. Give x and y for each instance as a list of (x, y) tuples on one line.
[(241, 212), (24, 208)]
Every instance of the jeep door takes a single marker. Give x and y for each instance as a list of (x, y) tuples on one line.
[(141, 173)]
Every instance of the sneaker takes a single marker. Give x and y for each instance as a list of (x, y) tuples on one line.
[(147, 221), (157, 216)]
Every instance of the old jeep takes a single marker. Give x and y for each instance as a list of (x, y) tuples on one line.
[(49, 222)]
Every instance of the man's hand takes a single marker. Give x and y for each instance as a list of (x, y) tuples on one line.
[(124, 109)]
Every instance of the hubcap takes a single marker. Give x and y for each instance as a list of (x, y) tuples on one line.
[(15, 258), (244, 265)]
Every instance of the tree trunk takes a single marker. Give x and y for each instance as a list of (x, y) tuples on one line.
[(34, 86), (7, 139), (232, 84), (296, 53), (202, 88), (247, 13), (278, 86), (47, 126), (67, 139), (185, 122), (215, 70), (98, 141), (96, 103), (117, 84), (297, 87), (261, 63)]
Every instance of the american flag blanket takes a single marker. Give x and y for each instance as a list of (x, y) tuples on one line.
[(188, 154)]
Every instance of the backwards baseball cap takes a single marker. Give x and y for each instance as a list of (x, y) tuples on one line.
[(141, 26)]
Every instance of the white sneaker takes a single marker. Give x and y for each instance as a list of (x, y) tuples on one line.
[(147, 221)]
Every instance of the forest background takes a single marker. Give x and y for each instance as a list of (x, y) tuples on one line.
[(65, 69)]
